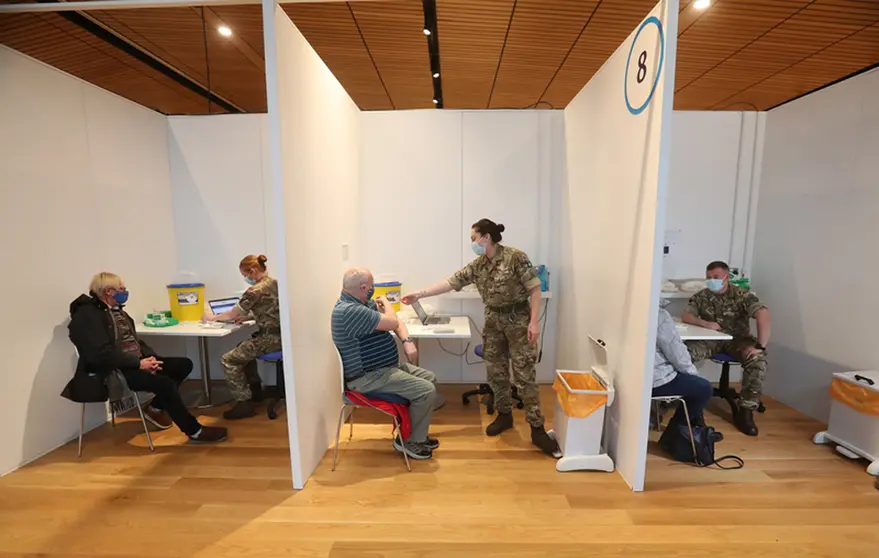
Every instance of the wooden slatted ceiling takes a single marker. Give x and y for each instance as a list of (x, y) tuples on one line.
[(57, 42), (394, 34), (538, 41), (471, 37), (332, 31), (175, 35), (738, 54)]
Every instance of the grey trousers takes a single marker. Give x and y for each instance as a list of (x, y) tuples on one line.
[(411, 382)]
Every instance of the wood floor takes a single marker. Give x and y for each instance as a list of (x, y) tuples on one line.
[(478, 497)]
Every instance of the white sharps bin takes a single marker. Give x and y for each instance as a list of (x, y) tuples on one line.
[(854, 417), (578, 424)]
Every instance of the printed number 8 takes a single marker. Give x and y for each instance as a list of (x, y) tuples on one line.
[(642, 68)]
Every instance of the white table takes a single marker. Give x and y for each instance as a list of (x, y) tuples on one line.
[(457, 328), (690, 332), (199, 330)]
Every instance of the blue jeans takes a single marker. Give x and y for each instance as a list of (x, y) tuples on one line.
[(695, 390)]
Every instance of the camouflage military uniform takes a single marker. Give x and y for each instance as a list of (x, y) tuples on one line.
[(505, 284), (733, 310), (239, 364)]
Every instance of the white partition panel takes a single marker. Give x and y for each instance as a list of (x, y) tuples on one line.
[(613, 211), (313, 154)]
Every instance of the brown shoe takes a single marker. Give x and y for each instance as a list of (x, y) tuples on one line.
[(157, 418)]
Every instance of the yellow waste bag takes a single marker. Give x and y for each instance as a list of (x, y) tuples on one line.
[(859, 398), (579, 405)]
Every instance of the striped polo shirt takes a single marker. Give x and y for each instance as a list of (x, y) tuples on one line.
[(362, 347)]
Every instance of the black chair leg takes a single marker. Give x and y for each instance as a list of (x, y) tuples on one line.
[(278, 392), (485, 389)]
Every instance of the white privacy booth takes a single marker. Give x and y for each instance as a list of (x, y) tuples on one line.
[(618, 137)]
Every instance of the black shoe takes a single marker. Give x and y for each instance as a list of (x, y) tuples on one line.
[(745, 422), (257, 395), (432, 443), (544, 441), (241, 410), (503, 421), (415, 450), (209, 435)]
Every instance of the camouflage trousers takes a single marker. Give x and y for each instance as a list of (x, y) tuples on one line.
[(753, 369), (505, 343), (239, 364)]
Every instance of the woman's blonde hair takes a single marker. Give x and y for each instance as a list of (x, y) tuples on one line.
[(103, 281), (252, 261)]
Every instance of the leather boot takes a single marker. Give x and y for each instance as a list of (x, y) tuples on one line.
[(241, 410), (745, 421), (503, 421), (544, 442)]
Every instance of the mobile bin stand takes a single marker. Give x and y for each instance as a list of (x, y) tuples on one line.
[(580, 438), (855, 433)]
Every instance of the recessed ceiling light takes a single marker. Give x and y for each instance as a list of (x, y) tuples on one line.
[(224, 31), (435, 102), (701, 4), (426, 31), (436, 74)]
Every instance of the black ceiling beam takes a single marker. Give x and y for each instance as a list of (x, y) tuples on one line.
[(118, 42), (430, 25)]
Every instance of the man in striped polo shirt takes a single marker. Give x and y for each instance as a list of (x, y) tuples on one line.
[(361, 331)]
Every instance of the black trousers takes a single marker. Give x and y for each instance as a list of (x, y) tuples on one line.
[(165, 385)]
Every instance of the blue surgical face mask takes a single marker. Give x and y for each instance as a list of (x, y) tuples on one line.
[(478, 249), (714, 285), (121, 297), (370, 293), (250, 281)]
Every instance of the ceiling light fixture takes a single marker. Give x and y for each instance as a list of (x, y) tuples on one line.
[(701, 4), (436, 75), (224, 31), (426, 31)]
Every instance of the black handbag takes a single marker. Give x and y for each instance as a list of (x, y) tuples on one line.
[(676, 441)]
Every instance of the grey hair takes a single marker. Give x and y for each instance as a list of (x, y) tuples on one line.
[(354, 277)]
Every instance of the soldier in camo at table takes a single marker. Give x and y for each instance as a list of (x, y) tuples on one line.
[(239, 364), (510, 289), (729, 308)]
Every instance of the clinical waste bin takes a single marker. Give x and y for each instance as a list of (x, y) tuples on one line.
[(392, 290), (854, 416), (578, 424)]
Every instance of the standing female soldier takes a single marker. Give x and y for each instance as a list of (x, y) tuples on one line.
[(510, 289), (261, 300)]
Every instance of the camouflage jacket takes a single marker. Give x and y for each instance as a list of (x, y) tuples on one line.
[(733, 309), (261, 300), (505, 280)]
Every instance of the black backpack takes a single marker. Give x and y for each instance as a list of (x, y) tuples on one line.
[(676, 441)]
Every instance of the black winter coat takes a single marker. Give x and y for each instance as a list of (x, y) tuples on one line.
[(91, 331)]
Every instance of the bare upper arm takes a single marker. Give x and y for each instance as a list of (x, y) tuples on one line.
[(387, 323)]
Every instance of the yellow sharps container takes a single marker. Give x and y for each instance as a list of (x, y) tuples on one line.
[(187, 301)]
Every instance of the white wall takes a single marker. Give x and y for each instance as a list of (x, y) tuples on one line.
[(612, 232), (712, 184), (220, 187), (314, 151), (85, 189), (817, 226), (438, 172)]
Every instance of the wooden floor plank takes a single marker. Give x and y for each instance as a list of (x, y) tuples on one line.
[(479, 496)]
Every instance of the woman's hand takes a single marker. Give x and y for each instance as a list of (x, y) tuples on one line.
[(209, 318), (410, 298), (533, 332)]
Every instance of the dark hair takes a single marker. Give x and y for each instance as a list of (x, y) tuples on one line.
[(717, 265), (489, 227)]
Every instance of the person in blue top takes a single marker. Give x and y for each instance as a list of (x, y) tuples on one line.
[(362, 330)]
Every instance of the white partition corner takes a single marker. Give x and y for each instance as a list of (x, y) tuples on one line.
[(618, 150)]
